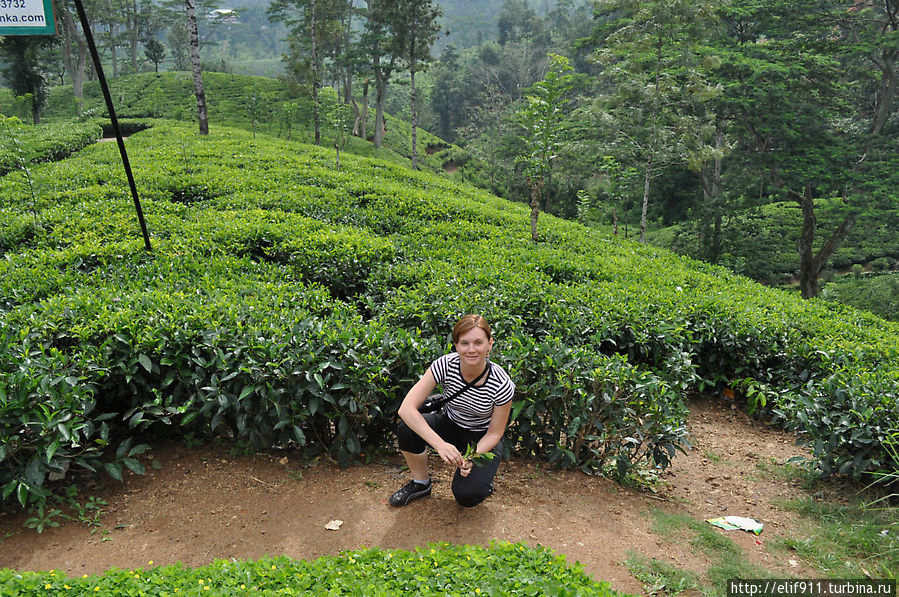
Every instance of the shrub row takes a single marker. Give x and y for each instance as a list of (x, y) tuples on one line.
[(292, 303), (438, 569), (24, 144), (279, 110), (878, 294)]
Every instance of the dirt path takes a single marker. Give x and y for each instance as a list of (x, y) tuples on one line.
[(201, 504)]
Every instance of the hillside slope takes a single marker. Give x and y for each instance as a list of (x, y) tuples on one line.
[(232, 99), (288, 301)]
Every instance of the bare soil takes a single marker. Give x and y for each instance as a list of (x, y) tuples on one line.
[(202, 504)]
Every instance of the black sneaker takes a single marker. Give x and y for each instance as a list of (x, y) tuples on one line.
[(408, 492)]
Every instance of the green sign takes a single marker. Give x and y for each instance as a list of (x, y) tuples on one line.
[(27, 17)]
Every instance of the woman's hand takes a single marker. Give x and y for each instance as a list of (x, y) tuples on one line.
[(466, 467), (450, 454)]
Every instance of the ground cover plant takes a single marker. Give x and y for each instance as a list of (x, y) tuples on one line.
[(877, 292), (290, 303), (439, 569)]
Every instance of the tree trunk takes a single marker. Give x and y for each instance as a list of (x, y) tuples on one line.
[(380, 99), (346, 70), (646, 180), (112, 52), (712, 189), (810, 265), (316, 108), (74, 65), (414, 136), (535, 186), (363, 114), (887, 92), (197, 70), (134, 32)]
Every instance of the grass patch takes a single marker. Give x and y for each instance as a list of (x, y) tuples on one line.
[(792, 471), (726, 560), (660, 578), (846, 540)]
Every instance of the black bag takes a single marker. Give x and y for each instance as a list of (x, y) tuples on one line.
[(436, 401)]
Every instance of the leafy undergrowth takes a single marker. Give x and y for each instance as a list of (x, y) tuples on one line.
[(439, 569), (761, 242), (877, 293)]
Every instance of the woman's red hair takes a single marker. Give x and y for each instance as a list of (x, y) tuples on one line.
[(468, 323)]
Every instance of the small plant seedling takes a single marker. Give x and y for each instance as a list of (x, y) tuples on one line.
[(41, 521), (475, 457)]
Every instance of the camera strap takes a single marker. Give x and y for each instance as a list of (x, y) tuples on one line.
[(468, 384)]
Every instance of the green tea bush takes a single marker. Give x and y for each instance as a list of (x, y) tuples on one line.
[(236, 100), (289, 303), (43, 143), (438, 569), (878, 294)]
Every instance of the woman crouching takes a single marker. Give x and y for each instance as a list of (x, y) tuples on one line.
[(476, 414)]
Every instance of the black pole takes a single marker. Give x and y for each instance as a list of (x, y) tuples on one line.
[(115, 122)]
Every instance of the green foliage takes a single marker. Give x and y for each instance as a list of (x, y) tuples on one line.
[(438, 569), (26, 144), (253, 103), (659, 577), (878, 294), (761, 242), (475, 457), (290, 303), (846, 540)]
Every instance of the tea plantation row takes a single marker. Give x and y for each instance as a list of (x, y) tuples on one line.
[(21, 144), (238, 100), (287, 302)]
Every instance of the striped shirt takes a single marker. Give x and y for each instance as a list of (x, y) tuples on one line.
[(472, 408)]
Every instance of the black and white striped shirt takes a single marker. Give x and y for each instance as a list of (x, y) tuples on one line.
[(472, 408)]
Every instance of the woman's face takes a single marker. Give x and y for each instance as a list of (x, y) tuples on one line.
[(473, 347)]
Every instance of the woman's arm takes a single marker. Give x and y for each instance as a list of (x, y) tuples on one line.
[(408, 412), (498, 421)]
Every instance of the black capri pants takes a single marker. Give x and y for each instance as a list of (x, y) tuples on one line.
[(478, 485)]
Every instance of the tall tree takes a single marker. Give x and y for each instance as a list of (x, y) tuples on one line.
[(154, 52), (416, 27), (318, 28), (540, 119), (378, 41), (447, 94), (25, 68), (74, 49), (194, 41), (871, 28), (642, 47), (790, 63)]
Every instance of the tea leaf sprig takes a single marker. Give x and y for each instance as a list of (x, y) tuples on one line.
[(475, 457)]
